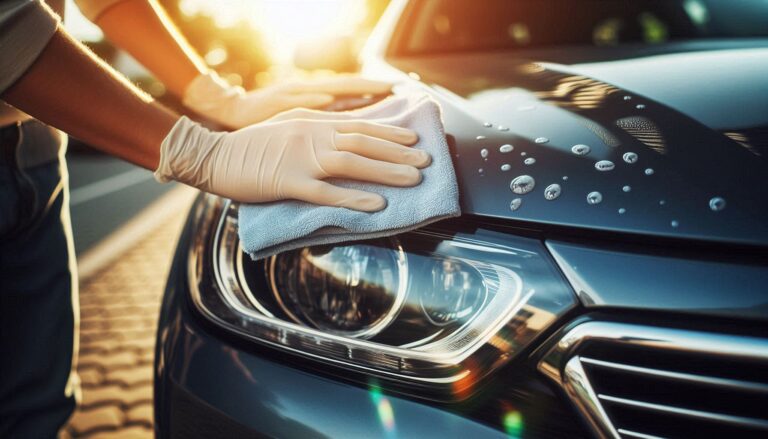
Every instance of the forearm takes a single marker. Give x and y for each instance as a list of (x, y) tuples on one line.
[(71, 89), (142, 28)]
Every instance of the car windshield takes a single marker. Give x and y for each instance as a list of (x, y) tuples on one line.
[(435, 26)]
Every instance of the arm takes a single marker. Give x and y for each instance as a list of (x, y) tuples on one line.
[(70, 88), (142, 28)]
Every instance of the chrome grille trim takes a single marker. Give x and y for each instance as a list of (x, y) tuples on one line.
[(563, 364), (729, 419), (679, 376), (630, 433)]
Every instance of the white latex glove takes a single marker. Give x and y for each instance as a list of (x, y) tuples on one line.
[(290, 159), (212, 97)]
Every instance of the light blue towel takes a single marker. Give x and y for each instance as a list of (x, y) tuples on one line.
[(270, 228)]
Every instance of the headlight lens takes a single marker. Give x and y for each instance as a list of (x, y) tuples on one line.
[(439, 307), (348, 290)]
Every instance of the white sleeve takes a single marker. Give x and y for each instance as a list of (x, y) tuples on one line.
[(26, 26), (93, 8)]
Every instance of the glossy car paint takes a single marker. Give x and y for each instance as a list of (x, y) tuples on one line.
[(691, 162), (632, 266), (612, 276)]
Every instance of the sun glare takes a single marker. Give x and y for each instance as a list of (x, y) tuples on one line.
[(284, 24)]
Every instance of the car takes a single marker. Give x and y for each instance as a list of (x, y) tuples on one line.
[(608, 276)]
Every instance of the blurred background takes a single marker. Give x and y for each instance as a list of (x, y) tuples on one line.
[(250, 43)]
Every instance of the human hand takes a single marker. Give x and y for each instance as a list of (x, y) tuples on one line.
[(233, 107), (290, 159)]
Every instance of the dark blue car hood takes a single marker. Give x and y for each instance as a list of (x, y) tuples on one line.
[(695, 116)]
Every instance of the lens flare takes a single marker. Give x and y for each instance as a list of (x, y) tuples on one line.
[(513, 423), (383, 409)]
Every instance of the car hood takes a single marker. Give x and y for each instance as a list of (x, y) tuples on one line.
[(695, 120)]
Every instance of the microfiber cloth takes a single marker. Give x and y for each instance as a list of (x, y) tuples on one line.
[(271, 228)]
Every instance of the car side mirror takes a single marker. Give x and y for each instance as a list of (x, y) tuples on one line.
[(336, 54)]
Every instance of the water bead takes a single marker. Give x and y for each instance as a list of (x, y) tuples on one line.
[(716, 204), (552, 191), (630, 157), (522, 185), (581, 149), (594, 197), (604, 165)]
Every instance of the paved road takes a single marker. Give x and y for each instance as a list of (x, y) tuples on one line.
[(105, 193), (118, 312)]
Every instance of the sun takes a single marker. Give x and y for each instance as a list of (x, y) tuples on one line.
[(284, 24)]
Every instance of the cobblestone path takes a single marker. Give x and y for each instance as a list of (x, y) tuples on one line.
[(118, 311)]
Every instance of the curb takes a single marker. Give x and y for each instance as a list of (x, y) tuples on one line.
[(174, 202)]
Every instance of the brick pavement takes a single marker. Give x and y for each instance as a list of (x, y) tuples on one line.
[(118, 316)]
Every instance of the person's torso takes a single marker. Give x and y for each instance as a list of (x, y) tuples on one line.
[(8, 113)]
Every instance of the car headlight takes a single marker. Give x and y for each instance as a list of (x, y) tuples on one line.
[(442, 306)]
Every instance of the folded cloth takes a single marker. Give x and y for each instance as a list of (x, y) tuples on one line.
[(271, 228)]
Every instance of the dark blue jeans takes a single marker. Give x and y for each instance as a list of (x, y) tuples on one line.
[(38, 301)]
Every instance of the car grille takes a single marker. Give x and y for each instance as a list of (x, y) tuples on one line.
[(633, 381)]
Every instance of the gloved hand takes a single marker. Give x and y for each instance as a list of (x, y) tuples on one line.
[(212, 97), (289, 160)]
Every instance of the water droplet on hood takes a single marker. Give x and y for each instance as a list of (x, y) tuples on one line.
[(522, 184), (515, 204), (552, 191), (506, 148), (502, 128), (506, 167), (541, 140), (480, 138), (640, 106), (627, 188), (565, 178), (529, 161), (717, 204), (523, 154), (581, 149), (594, 197), (487, 124), (630, 157), (484, 153), (627, 98), (604, 165), (674, 223), (622, 211), (649, 171)]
